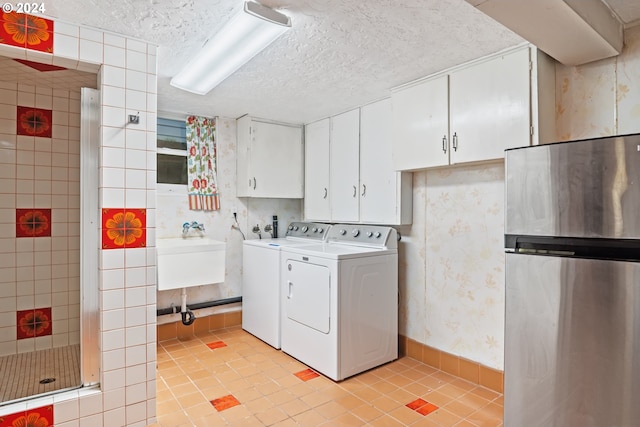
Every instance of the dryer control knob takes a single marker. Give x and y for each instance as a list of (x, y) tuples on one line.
[(320, 230), (369, 234), (291, 227), (304, 229), (295, 228), (343, 232), (377, 234), (314, 229), (355, 232)]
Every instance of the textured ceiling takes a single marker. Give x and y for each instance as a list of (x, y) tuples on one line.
[(338, 55)]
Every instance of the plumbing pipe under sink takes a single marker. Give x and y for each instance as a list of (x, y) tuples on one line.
[(187, 315)]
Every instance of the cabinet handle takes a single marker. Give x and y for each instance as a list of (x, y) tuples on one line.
[(254, 182), (444, 144), (325, 193), (249, 182), (364, 190), (355, 191), (455, 141)]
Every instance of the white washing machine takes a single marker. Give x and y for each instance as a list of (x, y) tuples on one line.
[(340, 300), (261, 278)]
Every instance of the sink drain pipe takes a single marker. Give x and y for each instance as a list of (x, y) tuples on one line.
[(187, 315)]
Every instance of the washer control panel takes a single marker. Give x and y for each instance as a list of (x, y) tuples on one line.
[(364, 235), (308, 230)]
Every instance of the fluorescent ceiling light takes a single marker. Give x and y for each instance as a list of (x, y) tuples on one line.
[(242, 38)]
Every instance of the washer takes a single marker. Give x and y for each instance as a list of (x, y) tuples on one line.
[(261, 278), (340, 300)]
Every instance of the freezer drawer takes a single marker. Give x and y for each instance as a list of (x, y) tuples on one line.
[(572, 342)]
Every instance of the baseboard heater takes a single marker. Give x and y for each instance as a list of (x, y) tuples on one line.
[(199, 305)]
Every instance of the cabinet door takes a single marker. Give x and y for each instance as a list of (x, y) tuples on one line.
[(378, 179), (243, 142), (421, 125), (316, 171), (276, 160), (344, 166), (490, 108)]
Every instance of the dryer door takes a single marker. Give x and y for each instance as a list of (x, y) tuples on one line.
[(307, 294)]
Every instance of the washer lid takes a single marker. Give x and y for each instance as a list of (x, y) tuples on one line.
[(337, 251), (277, 244)]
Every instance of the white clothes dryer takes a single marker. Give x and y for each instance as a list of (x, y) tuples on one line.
[(261, 278), (340, 300)]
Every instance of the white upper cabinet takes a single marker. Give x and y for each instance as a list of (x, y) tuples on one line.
[(317, 205), (344, 166), (489, 108), (269, 159), (349, 175), (474, 112), (385, 195), (421, 125)]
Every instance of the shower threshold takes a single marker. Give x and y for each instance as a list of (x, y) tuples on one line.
[(39, 372)]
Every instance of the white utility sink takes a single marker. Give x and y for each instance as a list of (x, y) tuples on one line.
[(190, 261)]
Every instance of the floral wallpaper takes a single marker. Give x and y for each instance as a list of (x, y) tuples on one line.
[(465, 262), (601, 98)]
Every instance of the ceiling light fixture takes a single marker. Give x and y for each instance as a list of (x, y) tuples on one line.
[(243, 37)]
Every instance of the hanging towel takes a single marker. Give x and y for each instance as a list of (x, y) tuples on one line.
[(203, 181)]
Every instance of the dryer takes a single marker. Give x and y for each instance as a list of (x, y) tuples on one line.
[(340, 300), (261, 278)]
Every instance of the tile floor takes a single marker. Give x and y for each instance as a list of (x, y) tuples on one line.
[(229, 377), (21, 373)]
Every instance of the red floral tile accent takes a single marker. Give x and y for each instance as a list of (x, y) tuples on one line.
[(422, 407), (416, 404), (306, 375), (34, 122), (216, 344), (39, 66), (36, 417), (124, 228), (427, 409), (33, 323), (33, 222), (225, 402), (27, 31)]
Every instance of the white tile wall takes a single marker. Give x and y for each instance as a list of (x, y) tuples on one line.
[(127, 395)]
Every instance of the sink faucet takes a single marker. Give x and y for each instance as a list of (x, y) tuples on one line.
[(187, 226)]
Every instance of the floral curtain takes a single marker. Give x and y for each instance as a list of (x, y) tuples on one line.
[(203, 182)]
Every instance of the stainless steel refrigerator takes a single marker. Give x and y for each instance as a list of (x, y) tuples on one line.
[(572, 236)]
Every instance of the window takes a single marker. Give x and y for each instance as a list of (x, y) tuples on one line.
[(172, 152)]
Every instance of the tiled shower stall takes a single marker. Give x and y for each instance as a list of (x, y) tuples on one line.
[(46, 220)]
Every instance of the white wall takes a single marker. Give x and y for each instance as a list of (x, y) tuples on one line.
[(451, 257)]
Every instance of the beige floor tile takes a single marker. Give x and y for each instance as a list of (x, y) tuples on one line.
[(262, 379)]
